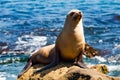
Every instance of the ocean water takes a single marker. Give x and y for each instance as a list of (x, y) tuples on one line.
[(27, 25)]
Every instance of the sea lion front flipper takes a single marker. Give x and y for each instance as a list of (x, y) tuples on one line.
[(55, 61), (82, 65), (79, 62), (89, 51)]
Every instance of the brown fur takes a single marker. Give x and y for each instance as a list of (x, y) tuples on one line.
[(44, 55)]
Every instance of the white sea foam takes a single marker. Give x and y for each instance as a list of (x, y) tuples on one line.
[(28, 39), (13, 76), (100, 41), (114, 67), (2, 76), (30, 43), (5, 76), (101, 59), (117, 46)]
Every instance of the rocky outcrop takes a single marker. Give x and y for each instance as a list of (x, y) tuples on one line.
[(69, 72)]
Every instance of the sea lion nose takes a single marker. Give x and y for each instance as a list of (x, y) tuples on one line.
[(80, 13)]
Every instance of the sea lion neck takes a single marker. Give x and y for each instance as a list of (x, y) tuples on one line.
[(72, 26)]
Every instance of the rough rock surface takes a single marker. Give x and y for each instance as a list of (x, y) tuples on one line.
[(65, 71)]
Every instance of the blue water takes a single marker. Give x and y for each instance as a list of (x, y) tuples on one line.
[(26, 25)]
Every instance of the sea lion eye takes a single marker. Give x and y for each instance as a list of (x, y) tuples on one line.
[(71, 14), (80, 13)]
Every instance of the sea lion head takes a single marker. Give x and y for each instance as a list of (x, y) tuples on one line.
[(74, 16)]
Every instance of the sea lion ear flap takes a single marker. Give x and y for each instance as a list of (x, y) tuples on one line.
[(89, 51)]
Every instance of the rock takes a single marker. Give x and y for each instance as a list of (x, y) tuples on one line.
[(65, 71), (102, 68)]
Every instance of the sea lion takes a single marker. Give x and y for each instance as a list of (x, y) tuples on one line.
[(69, 46)]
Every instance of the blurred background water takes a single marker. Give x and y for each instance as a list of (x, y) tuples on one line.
[(27, 25)]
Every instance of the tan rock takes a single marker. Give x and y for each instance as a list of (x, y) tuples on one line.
[(102, 68), (65, 71)]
